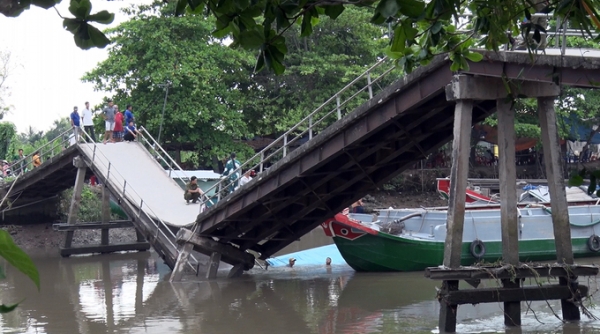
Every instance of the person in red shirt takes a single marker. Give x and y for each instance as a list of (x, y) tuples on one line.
[(118, 131)]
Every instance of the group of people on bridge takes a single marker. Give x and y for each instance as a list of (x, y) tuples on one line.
[(234, 179), (20, 164), (118, 125)]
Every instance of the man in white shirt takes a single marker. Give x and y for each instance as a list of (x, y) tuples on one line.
[(88, 121), (247, 177)]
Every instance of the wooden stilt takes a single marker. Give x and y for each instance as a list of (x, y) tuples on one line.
[(556, 182), (139, 236), (447, 320), (105, 215), (108, 295), (456, 205), (139, 285), (182, 260), (458, 182), (508, 202), (556, 185), (236, 271), (75, 199), (213, 265)]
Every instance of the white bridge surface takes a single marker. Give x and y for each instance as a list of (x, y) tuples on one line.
[(145, 180)]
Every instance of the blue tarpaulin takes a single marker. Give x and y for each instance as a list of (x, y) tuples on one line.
[(579, 131)]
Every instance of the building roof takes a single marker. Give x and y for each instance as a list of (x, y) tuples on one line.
[(200, 174)]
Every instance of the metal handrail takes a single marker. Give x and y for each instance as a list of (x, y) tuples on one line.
[(27, 159), (155, 145), (129, 190), (310, 123)]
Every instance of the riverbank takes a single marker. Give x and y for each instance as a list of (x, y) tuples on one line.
[(42, 236)]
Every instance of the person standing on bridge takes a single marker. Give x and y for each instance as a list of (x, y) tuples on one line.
[(75, 123), (231, 171), (129, 115), (192, 191), (21, 162), (109, 121), (118, 131), (88, 121), (36, 159)]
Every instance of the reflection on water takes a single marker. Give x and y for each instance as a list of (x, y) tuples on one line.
[(130, 293)]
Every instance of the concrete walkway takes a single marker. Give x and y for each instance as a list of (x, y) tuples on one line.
[(145, 180)]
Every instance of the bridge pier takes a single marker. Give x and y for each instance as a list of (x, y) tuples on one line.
[(217, 251), (104, 226), (464, 89), (75, 198), (213, 265)]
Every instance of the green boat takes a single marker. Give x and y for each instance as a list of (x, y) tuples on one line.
[(413, 239)]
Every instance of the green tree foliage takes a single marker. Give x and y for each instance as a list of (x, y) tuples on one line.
[(90, 207), (33, 139), (85, 35), (317, 67), (7, 136), (214, 100), (422, 28), (203, 106)]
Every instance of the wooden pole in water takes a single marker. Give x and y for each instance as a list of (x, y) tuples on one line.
[(556, 184), (105, 214), (461, 146), (182, 261), (456, 205), (213, 265), (75, 198), (508, 202)]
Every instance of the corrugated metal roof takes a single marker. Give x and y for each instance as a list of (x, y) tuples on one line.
[(200, 174)]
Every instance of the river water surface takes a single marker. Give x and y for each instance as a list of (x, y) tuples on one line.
[(130, 293)]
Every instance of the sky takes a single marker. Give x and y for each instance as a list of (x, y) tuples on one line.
[(45, 82)]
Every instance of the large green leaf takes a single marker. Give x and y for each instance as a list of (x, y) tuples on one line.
[(103, 17), (181, 6), (333, 11), (387, 8), (8, 308), (251, 39), (474, 56), (306, 28), (45, 3), (97, 37), (18, 258), (412, 8), (81, 9), (399, 40), (71, 25)]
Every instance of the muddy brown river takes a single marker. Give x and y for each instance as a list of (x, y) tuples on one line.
[(130, 293)]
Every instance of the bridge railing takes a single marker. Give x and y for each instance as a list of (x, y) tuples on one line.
[(359, 90), (46, 152), (163, 158), (128, 193)]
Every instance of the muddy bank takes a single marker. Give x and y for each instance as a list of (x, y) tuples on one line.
[(399, 200), (42, 236)]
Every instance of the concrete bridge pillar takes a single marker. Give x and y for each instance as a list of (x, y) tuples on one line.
[(218, 251)]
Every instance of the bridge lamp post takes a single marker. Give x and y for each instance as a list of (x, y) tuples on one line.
[(166, 86)]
